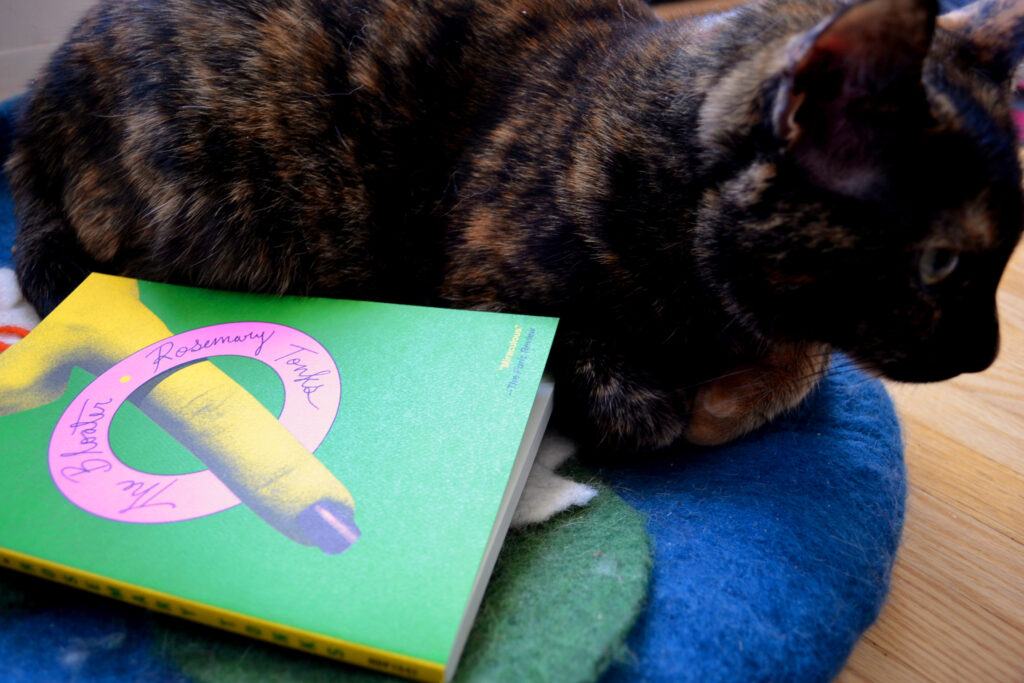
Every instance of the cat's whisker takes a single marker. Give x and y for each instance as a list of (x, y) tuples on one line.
[(342, 140), (309, 96), (625, 15), (711, 380), (155, 209)]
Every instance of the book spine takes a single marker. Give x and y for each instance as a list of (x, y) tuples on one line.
[(332, 648)]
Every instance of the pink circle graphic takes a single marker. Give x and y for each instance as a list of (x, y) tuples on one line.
[(89, 474)]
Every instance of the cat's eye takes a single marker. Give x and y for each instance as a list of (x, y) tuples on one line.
[(936, 264)]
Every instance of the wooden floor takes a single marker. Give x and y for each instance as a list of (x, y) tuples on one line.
[(956, 607), (956, 610)]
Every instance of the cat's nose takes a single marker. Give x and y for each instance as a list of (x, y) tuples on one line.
[(981, 349), (967, 346)]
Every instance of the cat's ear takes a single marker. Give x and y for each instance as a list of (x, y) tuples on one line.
[(853, 75), (993, 34)]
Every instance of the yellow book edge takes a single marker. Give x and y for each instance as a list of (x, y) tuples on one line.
[(227, 620)]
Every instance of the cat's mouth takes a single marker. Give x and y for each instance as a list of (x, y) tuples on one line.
[(953, 344), (927, 365)]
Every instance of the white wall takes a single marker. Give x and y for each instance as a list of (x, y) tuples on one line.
[(29, 32)]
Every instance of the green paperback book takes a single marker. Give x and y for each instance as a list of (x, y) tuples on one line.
[(330, 475)]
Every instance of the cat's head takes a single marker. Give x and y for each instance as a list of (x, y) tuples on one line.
[(878, 194)]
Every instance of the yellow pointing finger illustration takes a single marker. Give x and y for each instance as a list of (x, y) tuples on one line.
[(250, 451)]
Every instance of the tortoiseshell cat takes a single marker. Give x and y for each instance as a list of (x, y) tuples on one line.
[(711, 206)]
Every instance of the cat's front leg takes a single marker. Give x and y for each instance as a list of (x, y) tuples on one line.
[(746, 398), (616, 403)]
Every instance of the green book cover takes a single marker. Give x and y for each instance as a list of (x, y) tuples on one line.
[(331, 475)]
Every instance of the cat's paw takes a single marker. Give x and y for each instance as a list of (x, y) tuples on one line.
[(743, 400), (546, 492), (726, 409), (639, 418)]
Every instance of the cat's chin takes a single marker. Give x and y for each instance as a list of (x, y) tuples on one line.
[(919, 371), (919, 375)]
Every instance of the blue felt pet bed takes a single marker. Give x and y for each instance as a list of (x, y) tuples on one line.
[(769, 558)]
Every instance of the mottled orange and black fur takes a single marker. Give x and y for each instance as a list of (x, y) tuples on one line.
[(711, 206)]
